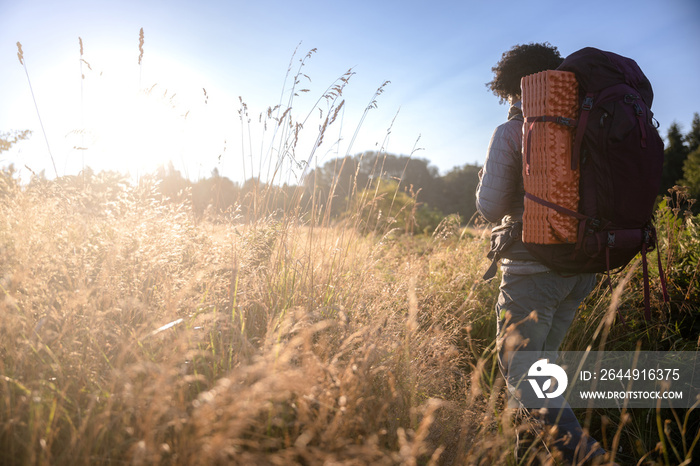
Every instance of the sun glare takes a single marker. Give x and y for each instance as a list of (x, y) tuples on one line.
[(138, 130), (134, 118)]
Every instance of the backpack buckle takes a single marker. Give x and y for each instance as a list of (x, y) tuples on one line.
[(587, 103), (565, 121), (593, 225), (611, 239)]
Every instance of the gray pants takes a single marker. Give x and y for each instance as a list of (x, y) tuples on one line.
[(534, 313)]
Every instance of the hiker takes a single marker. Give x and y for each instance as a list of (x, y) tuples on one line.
[(536, 305)]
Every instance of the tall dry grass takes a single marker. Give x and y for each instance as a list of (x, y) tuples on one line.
[(132, 335)]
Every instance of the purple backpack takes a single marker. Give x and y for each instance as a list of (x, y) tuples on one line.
[(620, 155)]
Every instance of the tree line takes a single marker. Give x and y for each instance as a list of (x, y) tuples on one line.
[(405, 190), (396, 186), (338, 185), (682, 160)]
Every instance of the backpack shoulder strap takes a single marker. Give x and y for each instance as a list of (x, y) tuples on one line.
[(586, 107)]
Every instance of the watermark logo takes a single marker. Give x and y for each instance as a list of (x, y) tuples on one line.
[(609, 379), (543, 368)]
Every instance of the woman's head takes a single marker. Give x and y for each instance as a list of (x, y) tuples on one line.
[(519, 61)]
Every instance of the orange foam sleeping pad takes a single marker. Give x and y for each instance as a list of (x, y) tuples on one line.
[(548, 175)]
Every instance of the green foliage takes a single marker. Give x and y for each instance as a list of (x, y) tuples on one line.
[(675, 154), (692, 139), (691, 177), (679, 236), (383, 206), (427, 219), (458, 191), (682, 160), (387, 206)]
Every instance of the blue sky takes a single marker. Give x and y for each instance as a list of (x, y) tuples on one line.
[(436, 54)]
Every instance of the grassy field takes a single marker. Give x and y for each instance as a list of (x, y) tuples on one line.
[(134, 331), (133, 334)]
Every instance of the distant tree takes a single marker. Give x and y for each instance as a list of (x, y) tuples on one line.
[(692, 139), (332, 183), (172, 185), (691, 167), (383, 206), (459, 191), (691, 177), (338, 181), (675, 155), (218, 193)]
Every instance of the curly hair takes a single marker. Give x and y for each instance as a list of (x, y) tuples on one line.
[(519, 61)]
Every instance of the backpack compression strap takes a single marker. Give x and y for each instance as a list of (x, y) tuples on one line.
[(569, 122), (564, 211), (557, 207)]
